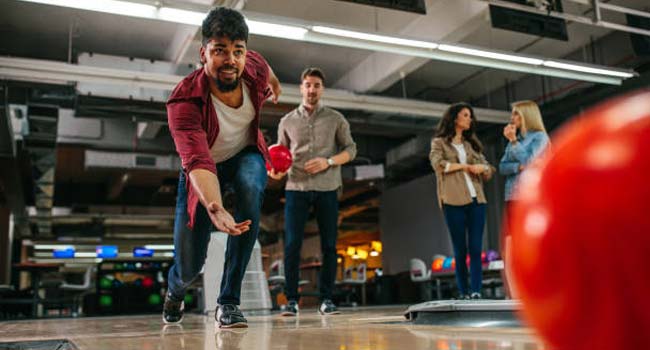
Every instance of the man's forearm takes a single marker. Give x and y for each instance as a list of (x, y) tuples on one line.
[(341, 158), (206, 185), (273, 79)]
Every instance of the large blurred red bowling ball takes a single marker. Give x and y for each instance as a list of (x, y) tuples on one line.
[(581, 231), (280, 158)]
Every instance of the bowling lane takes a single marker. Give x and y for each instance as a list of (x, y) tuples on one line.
[(367, 328)]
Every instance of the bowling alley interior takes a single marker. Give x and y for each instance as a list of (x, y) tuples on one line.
[(324, 174)]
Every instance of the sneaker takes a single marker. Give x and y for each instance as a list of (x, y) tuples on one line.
[(328, 308), (475, 296), (291, 309), (229, 316), (173, 311)]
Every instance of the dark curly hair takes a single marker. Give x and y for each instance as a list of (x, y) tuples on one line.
[(447, 126), (224, 22)]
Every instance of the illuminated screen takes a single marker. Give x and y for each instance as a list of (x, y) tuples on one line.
[(67, 253), (106, 251), (140, 252)]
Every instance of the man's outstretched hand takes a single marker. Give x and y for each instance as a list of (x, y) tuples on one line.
[(224, 222)]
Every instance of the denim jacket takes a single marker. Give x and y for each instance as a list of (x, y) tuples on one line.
[(522, 153)]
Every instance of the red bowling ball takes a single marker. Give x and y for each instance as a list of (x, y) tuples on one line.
[(588, 198), (281, 158)]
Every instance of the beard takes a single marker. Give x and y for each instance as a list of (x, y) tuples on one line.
[(227, 86)]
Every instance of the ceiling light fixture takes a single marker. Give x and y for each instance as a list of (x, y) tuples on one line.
[(587, 69), (360, 40), (124, 8), (276, 30), (374, 37), (181, 16), (490, 54), (159, 246), (53, 246)]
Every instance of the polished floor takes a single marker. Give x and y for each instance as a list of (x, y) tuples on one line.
[(364, 328)]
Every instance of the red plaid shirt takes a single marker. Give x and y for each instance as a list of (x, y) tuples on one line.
[(194, 124)]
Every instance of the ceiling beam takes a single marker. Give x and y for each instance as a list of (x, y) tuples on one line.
[(448, 20), (64, 73), (291, 29), (180, 43), (149, 130)]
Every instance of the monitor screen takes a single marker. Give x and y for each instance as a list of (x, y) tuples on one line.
[(67, 253), (106, 251), (141, 252)]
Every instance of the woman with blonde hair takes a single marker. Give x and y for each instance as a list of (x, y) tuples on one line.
[(527, 138), (456, 157)]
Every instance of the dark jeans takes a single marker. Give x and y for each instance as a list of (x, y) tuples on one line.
[(296, 213), (246, 175), (466, 223)]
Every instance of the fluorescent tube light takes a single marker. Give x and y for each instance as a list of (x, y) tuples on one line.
[(116, 7), (169, 14), (490, 54), (587, 69), (52, 246), (374, 37), (380, 43), (276, 30), (159, 246), (181, 16), (85, 255)]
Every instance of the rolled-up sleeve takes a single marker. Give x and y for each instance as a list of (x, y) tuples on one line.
[(344, 138), (490, 169), (190, 139), (436, 156), (283, 138)]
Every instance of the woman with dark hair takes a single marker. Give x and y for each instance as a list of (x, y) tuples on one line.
[(461, 168)]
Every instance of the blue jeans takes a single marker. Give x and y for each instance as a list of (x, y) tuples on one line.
[(296, 213), (465, 223), (246, 174)]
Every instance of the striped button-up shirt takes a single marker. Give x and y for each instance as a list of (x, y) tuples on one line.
[(324, 133)]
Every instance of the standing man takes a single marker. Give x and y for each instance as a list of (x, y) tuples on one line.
[(214, 116), (320, 142)]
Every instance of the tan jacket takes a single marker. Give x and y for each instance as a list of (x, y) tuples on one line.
[(452, 188)]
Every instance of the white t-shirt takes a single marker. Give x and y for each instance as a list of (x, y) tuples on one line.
[(234, 127), (462, 157)]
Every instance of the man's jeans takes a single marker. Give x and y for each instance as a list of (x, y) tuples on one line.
[(296, 213), (246, 174)]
